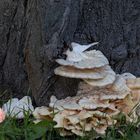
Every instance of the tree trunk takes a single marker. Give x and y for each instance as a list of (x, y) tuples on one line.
[(36, 32)]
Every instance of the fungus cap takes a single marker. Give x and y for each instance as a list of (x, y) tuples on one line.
[(95, 59), (120, 84), (125, 105), (128, 75), (135, 95), (75, 57), (133, 83), (16, 108), (71, 72), (88, 104), (42, 111), (77, 51), (62, 104), (59, 119), (107, 80), (113, 95), (72, 106), (74, 119), (76, 47)]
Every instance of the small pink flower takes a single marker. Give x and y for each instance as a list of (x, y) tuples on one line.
[(2, 115)]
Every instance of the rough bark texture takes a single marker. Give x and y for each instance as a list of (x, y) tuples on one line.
[(13, 74), (35, 32)]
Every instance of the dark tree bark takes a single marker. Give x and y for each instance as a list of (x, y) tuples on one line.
[(36, 32)]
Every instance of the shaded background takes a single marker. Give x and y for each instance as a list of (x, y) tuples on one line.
[(33, 33)]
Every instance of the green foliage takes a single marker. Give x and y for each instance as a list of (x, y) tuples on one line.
[(25, 129), (12, 129)]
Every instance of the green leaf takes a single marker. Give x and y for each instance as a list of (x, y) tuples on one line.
[(34, 132), (135, 137), (38, 130)]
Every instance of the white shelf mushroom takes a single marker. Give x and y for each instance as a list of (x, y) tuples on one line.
[(64, 104), (107, 80), (71, 72), (94, 59), (102, 95), (43, 112), (81, 48), (120, 84), (134, 85), (92, 104), (77, 54), (17, 108), (128, 75)]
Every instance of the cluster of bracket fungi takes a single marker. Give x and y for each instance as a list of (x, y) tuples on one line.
[(101, 94)]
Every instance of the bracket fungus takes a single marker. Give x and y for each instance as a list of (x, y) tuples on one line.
[(92, 59), (77, 51), (71, 72), (17, 108), (101, 95), (107, 80), (134, 85)]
